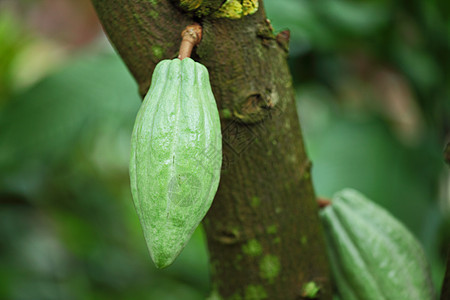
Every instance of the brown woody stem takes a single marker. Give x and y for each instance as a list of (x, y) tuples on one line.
[(192, 35), (323, 202)]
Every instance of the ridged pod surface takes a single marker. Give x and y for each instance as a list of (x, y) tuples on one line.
[(372, 255), (176, 156)]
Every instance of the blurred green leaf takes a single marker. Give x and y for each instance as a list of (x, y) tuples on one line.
[(359, 18), (13, 42), (87, 108), (64, 148)]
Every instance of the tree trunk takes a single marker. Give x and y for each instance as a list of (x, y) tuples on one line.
[(264, 235)]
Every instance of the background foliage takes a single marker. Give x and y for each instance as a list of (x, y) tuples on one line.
[(373, 97)]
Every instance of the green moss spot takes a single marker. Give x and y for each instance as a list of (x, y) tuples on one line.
[(252, 248), (157, 51), (276, 240), (255, 201), (278, 210), (154, 2), (306, 175), (269, 267), (236, 9), (255, 292), (154, 14), (231, 9), (310, 290), (249, 7), (272, 229), (226, 113), (304, 240)]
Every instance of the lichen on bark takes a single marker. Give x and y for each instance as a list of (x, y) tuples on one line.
[(231, 9)]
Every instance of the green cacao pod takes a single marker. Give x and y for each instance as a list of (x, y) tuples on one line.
[(176, 156), (372, 255)]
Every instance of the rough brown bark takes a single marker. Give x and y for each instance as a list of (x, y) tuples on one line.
[(263, 231)]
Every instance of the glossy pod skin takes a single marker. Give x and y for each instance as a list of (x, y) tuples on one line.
[(372, 255), (176, 156)]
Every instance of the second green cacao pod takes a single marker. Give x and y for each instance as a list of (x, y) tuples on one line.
[(176, 156), (372, 255)]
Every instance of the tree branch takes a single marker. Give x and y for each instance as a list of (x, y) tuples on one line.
[(263, 230)]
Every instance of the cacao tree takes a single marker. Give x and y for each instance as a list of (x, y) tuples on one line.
[(263, 231)]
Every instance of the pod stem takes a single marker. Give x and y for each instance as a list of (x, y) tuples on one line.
[(191, 37), (322, 202)]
